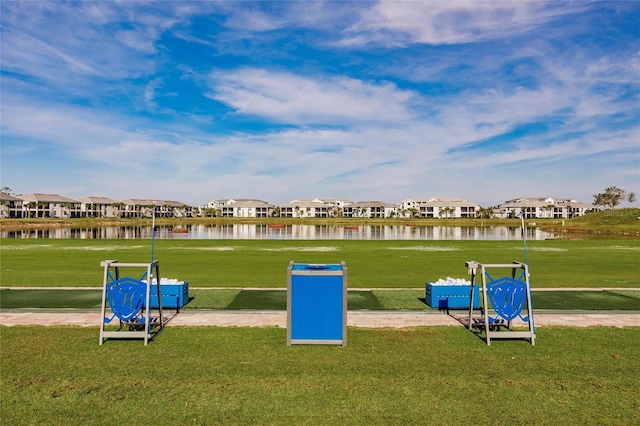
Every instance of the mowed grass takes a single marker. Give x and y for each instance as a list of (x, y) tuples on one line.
[(371, 264), (425, 375)]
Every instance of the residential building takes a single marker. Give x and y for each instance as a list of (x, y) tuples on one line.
[(144, 208), (438, 207), (91, 206), (573, 208), (333, 202), (305, 209), (49, 206), (170, 208), (10, 206), (38, 205), (137, 208), (316, 207), (371, 209), (245, 208), (544, 208)]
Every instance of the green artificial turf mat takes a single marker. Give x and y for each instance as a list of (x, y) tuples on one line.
[(211, 299), (79, 299), (357, 300), (583, 300), (259, 299), (277, 299)]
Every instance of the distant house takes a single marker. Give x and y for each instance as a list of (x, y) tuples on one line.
[(305, 208), (137, 208), (245, 208), (10, 206), (170, 208), (371, 209), (91, 206), (144, 208), (544, 208), (333, 202), (573, 208), (438, 208), (316, 207), (49, 206)]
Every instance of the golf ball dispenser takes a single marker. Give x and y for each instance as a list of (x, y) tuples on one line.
[(317, 304), (129, 300), (503, 300)]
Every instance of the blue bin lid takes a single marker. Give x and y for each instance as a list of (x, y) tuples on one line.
[(316, 267)]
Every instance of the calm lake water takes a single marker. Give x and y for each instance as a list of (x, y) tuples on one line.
[(288, 232)]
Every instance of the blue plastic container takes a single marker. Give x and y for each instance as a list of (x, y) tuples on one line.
[(451, 296), (317, 304), (174, 296)]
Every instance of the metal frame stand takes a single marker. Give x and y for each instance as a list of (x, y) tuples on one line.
[(502, 318), (111, 276)]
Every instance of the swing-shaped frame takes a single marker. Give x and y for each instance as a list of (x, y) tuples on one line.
[(129, 301), (505, 298)]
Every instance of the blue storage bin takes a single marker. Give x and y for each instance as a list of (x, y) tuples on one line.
[(174, 296), (317, 304), (451, 296)]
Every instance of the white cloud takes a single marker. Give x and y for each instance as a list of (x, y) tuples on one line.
[(27, 54), (398, 23), (291, 98), (64, 40)]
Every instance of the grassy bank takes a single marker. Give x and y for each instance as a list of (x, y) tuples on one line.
[(427, 375), (371, 264), (609, 222)]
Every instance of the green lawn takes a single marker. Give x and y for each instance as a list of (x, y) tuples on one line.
[(424, 375), (371, 264)]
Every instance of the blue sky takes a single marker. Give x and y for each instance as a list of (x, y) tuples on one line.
[(201, 100)]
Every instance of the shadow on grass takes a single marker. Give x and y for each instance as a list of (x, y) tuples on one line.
[(78, 299), (277, 300), (583, 300)]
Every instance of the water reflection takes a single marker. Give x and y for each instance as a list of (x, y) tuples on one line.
[(288, 232)]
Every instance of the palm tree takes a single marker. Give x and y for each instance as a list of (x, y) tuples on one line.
[(118, 209), (42, 205), (447, 212), (68, 209), (484, 213), (4, 209)]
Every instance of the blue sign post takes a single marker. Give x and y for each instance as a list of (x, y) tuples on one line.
[(317, 304)]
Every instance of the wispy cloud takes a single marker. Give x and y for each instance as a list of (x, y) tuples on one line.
[(393, 23), (294, 99)]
